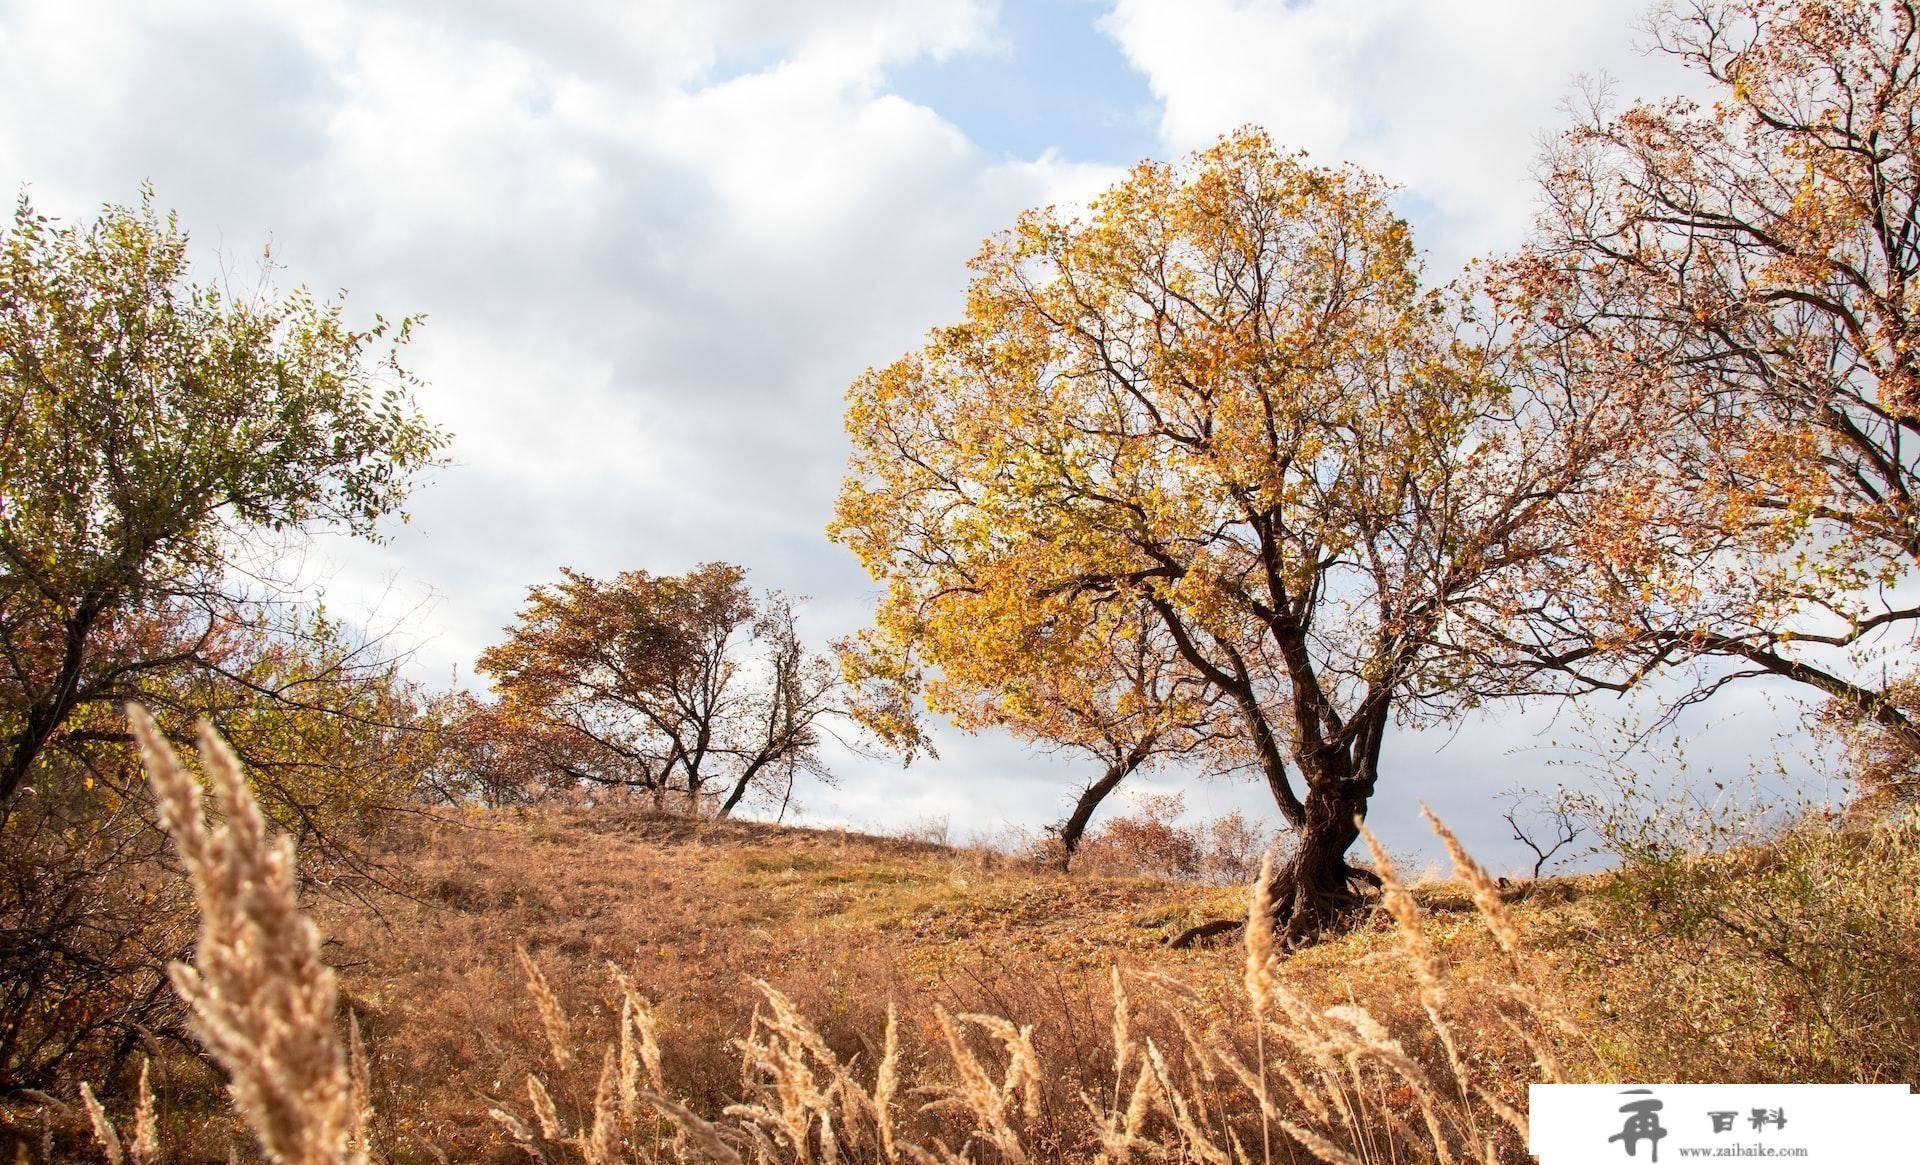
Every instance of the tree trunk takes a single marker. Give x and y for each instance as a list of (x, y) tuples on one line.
[(45, 717), (1075, 826), (740, 789), (1317, 893)]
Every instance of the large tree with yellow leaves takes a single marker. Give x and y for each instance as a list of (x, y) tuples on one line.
[(1223, 397)]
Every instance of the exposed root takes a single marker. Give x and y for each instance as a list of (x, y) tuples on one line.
[(1301, 916), (1206, 930)]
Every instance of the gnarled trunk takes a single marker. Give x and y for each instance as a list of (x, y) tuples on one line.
[(1317, 892)]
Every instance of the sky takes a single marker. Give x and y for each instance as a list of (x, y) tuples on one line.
[(655, 240)]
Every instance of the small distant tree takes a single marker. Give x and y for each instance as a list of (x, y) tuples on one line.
[(1106, 681), (1545, 826), (1139, 706), (490, 759), (151, 429), (682, 684), (1150, 839), (1234, 847)]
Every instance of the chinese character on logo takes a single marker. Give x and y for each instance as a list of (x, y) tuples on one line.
[(1723, 1121), (1642, 1124), (1761, 1118)]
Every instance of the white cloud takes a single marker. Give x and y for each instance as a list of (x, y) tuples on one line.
[(1447, 97), (654, 244)]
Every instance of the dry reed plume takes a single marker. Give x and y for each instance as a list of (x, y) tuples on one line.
[(144, 1146), (1333, 1082), (263, 1001)]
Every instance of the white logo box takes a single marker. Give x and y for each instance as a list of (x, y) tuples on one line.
[(1816, 1124)]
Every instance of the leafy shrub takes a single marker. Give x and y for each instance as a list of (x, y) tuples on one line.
[(1792, 960), (91, 909), (1152, 841)]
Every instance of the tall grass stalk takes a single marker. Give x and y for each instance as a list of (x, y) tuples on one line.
[(262, 999)]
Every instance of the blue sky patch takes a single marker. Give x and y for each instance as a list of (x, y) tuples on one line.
[(1050, 80)]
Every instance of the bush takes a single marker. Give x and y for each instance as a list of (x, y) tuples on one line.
[(89, 918), (1749, 933), (1793, 960), (1152, 842), (91, 908)]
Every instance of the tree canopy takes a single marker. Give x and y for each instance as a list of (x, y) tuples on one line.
[(149, 424), (1224, 398)]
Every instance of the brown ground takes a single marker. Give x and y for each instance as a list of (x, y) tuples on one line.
[(693, 910)]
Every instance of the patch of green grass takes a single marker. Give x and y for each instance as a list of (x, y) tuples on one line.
[(781, 862)]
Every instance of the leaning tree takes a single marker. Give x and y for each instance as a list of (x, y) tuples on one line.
[(1104, 681), (1223, 397)]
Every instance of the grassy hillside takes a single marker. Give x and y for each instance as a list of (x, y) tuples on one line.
[(692, 911), (1691, 970), (1792, 960)]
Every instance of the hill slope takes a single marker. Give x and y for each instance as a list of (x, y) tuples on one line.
[(693, 911), (1791, 961)]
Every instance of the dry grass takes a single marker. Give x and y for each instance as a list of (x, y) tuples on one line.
[(1799, 960), (608, 986), (1354, 1091), (691, 913), (955, 1085)]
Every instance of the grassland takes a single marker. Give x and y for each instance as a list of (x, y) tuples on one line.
[(799, 971), (692, 911)]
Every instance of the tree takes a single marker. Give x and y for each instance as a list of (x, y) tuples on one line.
[(1747, 269), (1128, 699), (1223, 398), (161, 441), (90, 916), (666, 683), (1107, 682), (150, 428)]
